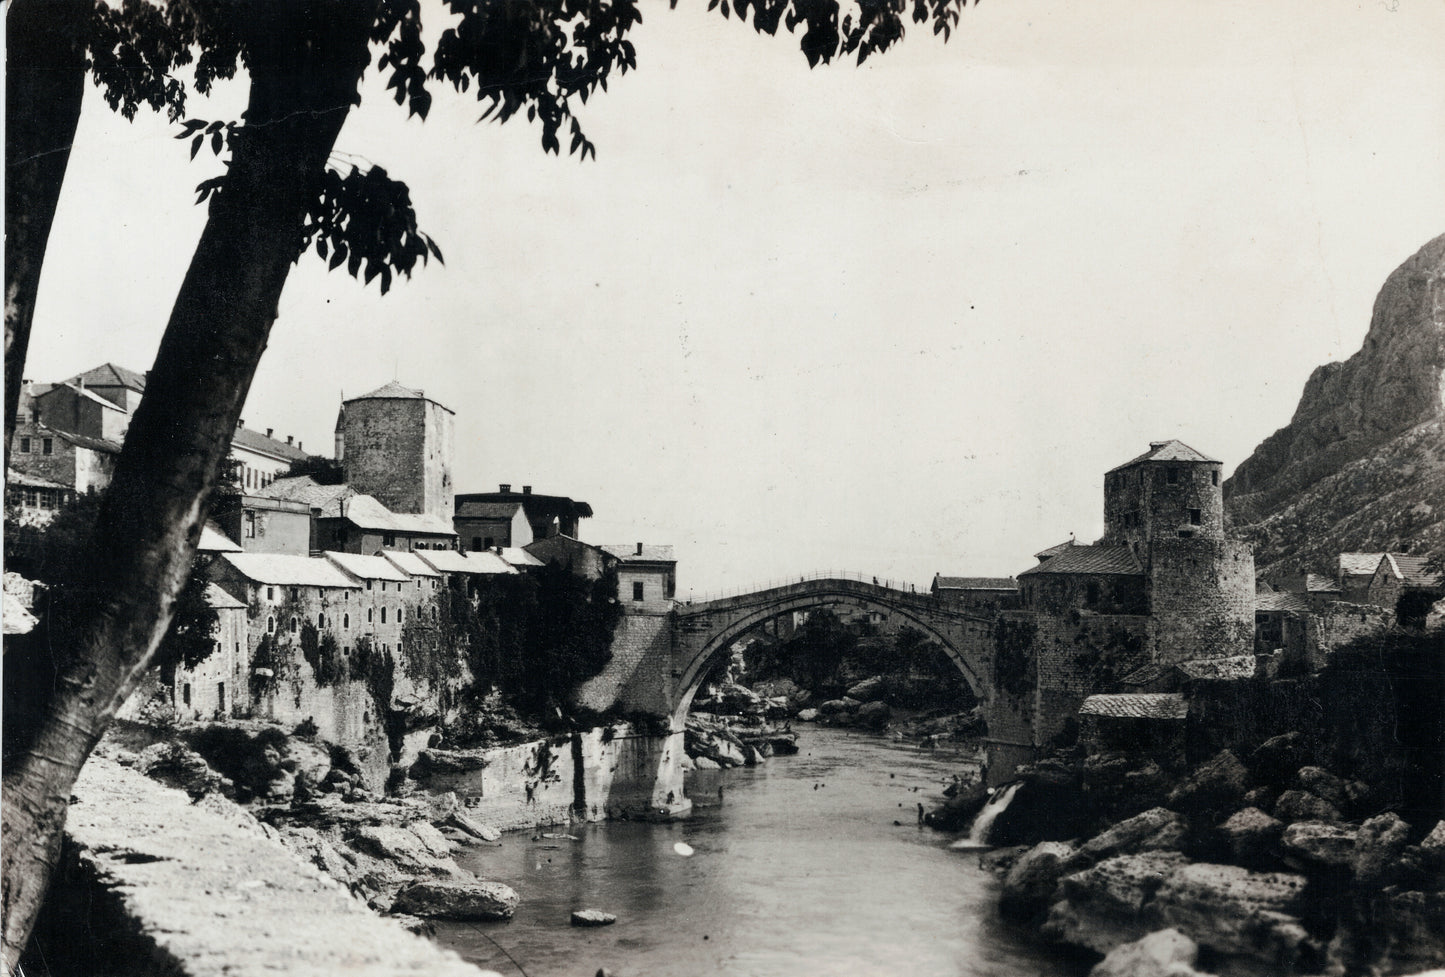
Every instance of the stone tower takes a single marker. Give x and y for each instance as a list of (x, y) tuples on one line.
[(395, 443), (1167, 506)]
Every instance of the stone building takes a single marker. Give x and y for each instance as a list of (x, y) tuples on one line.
[(396, 445), (580, 558), (646, 575), (548, 515), (485, 525), (986, 595), (259, 524), (217, 686)]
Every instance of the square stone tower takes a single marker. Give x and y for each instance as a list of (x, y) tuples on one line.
[(396, 444)]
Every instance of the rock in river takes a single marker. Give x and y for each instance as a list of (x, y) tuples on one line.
[(592, 917), (474, 900)]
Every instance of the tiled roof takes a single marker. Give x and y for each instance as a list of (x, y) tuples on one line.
[(1166, 451), (1281, 601), (94, 444), (975, 583), (487, 510), (391, 391), (1144, 674), (1232, 667), (255, 441), (519, 557), (215, 541), (450, 561), (650, 553), (1411, 570), (1318, 583), (1356, 564), (110, 375), (303, 488), (1054, 550), (1136, 705), (367, 513), (366, 567), (15, 478), (1090, 560), (293, 571), (536, 505), (409, 563), (221, 600)]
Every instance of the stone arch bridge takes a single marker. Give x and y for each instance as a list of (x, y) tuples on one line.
[(662, 651), (661, 654)]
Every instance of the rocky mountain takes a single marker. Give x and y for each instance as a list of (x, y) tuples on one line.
[(1361, 466)]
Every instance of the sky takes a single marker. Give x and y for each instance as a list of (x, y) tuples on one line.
[(897, 319)]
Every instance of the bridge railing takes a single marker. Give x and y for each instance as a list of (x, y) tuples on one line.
[(899, 585)]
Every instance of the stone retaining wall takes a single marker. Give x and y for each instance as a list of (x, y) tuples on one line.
[(152, 883)]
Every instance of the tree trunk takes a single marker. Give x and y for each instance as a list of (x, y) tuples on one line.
[(44, 83), (305, 60)]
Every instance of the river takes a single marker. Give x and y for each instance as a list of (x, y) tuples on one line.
[(807, 865)]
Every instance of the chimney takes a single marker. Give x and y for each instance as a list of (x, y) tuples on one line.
[(298, 446), (1156, 445), (526, 490), (639, 549), (505, 487), (288, 439), (270, 431)]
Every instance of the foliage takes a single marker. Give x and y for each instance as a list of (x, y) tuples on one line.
[(56, 554), (568, 639), (322, 470)]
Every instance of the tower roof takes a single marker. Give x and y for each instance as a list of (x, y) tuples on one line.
[(110, 375), (394, 391), (1168, 451)]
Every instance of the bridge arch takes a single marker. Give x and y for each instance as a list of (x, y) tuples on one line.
[(707, 631)]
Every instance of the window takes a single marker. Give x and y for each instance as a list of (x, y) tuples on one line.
[(221, 696), (32, 498), (295, 625), (186, 693), (270, 593), (249, 529), (388, 539), (476, 543), (47, 446), (433, 614), (1186, 534), (383, 615), (368, 615), (1171, 475), (345, 621), (368, 585), (320, 621), (25, 446), (1194, 517), (637, 590), (1214, 477), (47, 499), (295, 593)]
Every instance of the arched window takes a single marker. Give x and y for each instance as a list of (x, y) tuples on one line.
[(320, 621), (383, 615), (270, 625), (368, 615), (295, 624), (345, 621), (433, 614)]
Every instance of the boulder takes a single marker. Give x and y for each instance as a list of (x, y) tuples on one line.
[(404, 849), (1263, 798), (314, 850), (1106, 769), (808, 715), (1251, 835), (1277, 758), (874, 715), (1166, 953), (431, 839), (703, 763), (869, 690), (1157, 828), (482, 832), (1378, 846), (1316, 845), (1435, 840), (1235, 912), (1102, 907), (835, 707), (592, 917), (1028, 889), (465, 900), (176, 765), (1217, 786), (1300, 805), (1321, 783)]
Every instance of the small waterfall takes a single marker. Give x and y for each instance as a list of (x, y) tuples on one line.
[(983, 821)]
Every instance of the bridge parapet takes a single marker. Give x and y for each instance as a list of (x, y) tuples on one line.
[(823, 585)]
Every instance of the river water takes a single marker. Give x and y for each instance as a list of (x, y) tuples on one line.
[(807, 865)]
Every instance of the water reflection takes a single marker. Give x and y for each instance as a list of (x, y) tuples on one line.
[(812, 864)]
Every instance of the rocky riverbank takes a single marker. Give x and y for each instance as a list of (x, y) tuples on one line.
[(393, 853), (1267, 864)]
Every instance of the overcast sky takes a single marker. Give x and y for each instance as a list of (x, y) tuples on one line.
[(897, 319)]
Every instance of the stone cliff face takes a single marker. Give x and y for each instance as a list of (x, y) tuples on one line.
[(1361, 466)]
